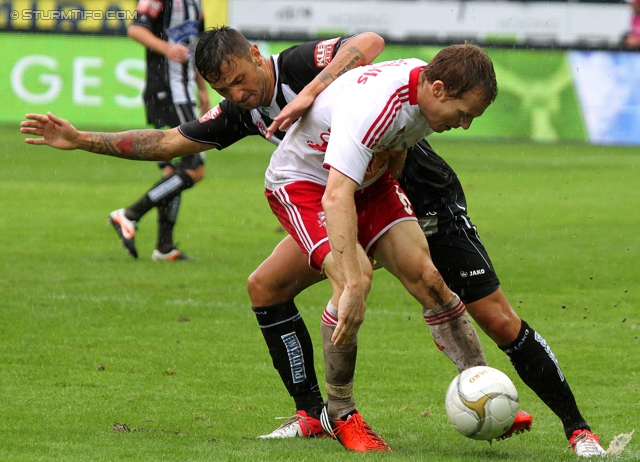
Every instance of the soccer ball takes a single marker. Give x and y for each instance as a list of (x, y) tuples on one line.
[(482, 403)]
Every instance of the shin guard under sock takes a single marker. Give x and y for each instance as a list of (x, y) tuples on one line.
[(165, 189), (538, 368), (340, 366), (291, 351), (454, 334)]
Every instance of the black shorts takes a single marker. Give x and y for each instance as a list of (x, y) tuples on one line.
[(439, 202), (163, 114), (463, 263)]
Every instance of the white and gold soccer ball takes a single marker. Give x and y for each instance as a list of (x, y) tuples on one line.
[(482, 403)]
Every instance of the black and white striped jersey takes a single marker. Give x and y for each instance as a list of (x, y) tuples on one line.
[(294, 68), (177, 22)]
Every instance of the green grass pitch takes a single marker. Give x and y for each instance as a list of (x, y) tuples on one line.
[(93, 343)]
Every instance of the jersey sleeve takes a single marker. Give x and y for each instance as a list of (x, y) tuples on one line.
[(302, 63), (221, 126), (148, 14), (345, 152)]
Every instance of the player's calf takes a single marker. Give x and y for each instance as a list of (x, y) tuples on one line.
[(455, 335)]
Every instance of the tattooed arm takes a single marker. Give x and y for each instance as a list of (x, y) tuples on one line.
[(133, 145), (355, 52)]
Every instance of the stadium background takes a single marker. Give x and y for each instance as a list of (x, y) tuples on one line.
[(557, 82)]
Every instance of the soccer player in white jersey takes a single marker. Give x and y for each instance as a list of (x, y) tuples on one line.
[(330, 185), (431, 185)]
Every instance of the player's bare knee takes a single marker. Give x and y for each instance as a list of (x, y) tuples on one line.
[(197, 174), (503, 330), (255, 289), (433, 288), (266, 291), (496, 317)]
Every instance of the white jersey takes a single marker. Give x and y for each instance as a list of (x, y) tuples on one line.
[(367, 111)]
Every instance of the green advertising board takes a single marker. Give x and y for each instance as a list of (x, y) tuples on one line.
[(97, 81), (94, 81)]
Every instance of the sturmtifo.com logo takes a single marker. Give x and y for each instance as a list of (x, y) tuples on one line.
[(72, 15)]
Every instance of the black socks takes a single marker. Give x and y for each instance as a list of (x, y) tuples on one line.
[(161, 192), (291, 350), (536, 365)]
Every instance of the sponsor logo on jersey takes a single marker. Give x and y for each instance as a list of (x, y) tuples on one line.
[(183, 32), (392, 141), (324, 52), (396, 136), (379, 162), (296, 359), (151, 8), (324, 138), (262, 127), (211, 114), (259, 122)]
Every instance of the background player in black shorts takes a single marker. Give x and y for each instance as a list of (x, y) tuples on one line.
[(432, 187), (169, 30)]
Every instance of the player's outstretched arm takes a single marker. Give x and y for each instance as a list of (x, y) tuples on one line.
[(54, 131), (357, 51), (153, 145)]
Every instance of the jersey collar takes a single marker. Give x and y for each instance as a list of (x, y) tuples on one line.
[(413, 84)]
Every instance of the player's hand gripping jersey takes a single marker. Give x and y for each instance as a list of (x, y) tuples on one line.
[(366, 113), (294, 68)]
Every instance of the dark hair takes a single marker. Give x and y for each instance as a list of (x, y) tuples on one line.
[(463, 68), (217, 46)]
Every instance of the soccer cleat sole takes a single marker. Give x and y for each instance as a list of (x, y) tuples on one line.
[(174, 255), (128, 244)]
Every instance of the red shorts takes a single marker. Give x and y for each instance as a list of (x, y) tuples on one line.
[(298, 207)]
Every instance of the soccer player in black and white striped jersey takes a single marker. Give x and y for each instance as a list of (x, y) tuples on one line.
[(169, 30)]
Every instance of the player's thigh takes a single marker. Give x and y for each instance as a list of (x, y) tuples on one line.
[(404, 252), (282, 276)]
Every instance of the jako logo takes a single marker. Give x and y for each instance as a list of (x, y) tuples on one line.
[(464, 274)]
